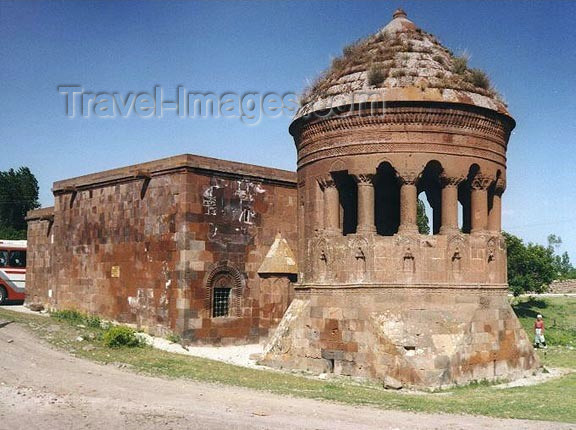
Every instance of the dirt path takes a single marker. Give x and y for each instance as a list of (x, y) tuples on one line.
[(42, 388)]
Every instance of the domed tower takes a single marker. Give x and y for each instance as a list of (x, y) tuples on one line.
[(396, 117)]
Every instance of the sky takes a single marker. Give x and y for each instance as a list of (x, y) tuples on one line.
[(526, 47)]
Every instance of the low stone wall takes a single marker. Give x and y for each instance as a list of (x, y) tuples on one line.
[(563, 287)]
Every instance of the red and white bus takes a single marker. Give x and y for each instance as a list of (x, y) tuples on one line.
[(12, 270)]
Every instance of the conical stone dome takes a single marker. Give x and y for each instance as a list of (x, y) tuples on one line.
[(400, 62)]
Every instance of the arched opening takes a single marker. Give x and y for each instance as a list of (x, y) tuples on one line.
[(464, 197), (224, 284), (429, 185), (460, 218), (221, 293), (348, 198), (492, 192), (424, 215), (387, 200)]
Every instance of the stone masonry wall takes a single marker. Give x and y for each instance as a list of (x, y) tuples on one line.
[(39, 255), (417, 337), (143, 244)]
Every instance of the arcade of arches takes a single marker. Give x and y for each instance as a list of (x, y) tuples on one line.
[(385, 201)]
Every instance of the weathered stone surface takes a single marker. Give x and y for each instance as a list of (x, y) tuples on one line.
[(391, 383), (280, 259), (377, 299), (145, 244), (563, 287)]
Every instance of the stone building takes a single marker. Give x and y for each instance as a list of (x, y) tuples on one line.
[(190, 245), (398, 116), (207, 248)]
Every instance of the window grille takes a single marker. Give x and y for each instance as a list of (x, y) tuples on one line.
[(221, 302)]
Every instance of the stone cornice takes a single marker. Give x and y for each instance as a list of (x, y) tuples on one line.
[(491, 125), (176, 164), (42, 214)]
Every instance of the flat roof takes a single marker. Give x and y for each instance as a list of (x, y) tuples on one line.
[(196, 163)]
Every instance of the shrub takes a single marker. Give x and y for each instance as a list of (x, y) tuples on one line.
[(174, 338), (479, 79), (355, 52), (376, 75), (121, 336), (399, 73), (459, 65), (338, 63), (439, 59), (92, 321)]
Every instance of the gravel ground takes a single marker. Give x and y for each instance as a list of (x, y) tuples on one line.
[(44, 388), (239, 355)]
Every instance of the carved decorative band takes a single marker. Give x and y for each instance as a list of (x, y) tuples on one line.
[(412, 116), (363, 137), (375, 148)]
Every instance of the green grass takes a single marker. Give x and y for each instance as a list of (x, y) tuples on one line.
[(552, 400), (76, 317), (559, 317)]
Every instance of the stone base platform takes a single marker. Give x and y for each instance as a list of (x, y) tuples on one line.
[(417, 336)]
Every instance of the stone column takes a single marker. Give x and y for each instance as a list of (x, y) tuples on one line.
[(495, 214), (408, 202), (449, 204), (315, 207), (365, 183), (479, 203), (331, 204)]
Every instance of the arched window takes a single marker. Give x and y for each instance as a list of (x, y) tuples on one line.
[(224, 284), (221, 292), (430, 188), (387, 200)]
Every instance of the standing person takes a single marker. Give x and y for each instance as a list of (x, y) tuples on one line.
[(539, 332)]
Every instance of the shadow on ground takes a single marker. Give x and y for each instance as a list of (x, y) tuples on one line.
[(526, 308)]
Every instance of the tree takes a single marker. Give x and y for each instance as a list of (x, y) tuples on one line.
[(422, 219), (531, 267), (562, 266), (554, 242), (18, 195)]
